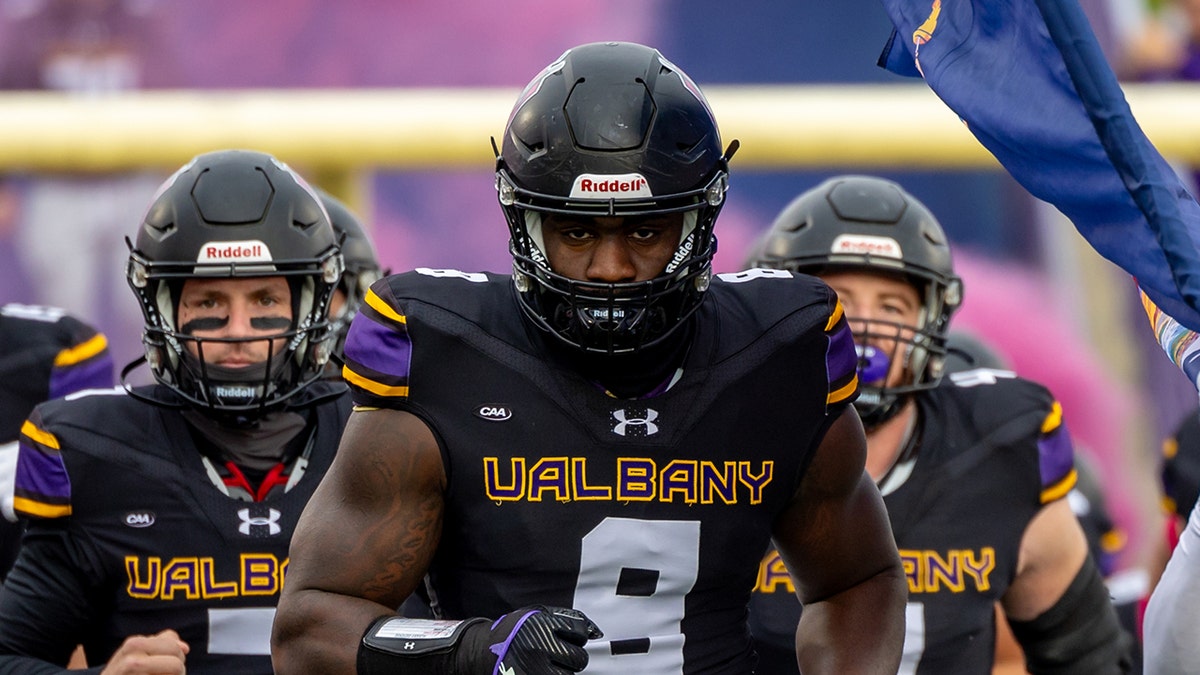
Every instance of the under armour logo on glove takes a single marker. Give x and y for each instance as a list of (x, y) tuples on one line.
[(539, 640)]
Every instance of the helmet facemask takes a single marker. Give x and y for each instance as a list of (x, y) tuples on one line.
[(897, 359), (295, 355), (613, 318)]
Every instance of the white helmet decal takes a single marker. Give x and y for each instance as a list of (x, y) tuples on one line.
[(865, 244), (601, 186), (248, 250)]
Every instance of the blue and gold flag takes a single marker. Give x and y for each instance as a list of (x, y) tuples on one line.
[(1031, 83)]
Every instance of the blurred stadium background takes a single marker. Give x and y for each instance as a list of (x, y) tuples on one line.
[(390, 104)]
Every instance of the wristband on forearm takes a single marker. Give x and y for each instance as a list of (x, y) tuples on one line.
[(396, 645)]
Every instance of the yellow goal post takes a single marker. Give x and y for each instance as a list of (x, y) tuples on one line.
[(337, 135)]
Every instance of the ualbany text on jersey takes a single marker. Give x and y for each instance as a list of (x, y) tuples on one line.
[(637, 479), (152, 578), (954, 571)]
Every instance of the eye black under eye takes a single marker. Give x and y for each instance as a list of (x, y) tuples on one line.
[(270, 323), (204, 323)]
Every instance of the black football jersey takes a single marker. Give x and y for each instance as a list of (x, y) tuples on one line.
[(44, 354), (992, 451), (129, 535), (649, 515)]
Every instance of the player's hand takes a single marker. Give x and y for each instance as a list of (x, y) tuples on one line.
[(159, 654), (535, 640)]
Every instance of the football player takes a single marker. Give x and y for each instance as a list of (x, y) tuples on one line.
[(1169, 639), (589, 456), (973, 468), (1127, 587), (1180, 475), (160, 516), (362, 270), (46, 354)]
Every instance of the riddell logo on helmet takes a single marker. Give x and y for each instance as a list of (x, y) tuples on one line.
[(594, 186), (865, 244), (251, 250)]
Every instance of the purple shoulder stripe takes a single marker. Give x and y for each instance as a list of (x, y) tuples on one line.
[(94, 373), (841, 360), (383, 349), (41, 486), (1056, 456)]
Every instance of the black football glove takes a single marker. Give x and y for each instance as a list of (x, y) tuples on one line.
[(534, 640)]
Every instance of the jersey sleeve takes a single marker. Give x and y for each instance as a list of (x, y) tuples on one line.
[(83, 362), (44, 602), (41, 486), (1056, 456), (378, 352), (841, 359)]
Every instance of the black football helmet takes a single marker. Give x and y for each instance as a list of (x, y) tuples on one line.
[(863, 222), (611, 129), (362, 264), (233, 214)]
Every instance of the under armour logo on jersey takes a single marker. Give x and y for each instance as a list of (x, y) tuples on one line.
[(635, 423), (269, 521)]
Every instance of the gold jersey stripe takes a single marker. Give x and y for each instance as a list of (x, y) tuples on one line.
[(377, 388), (382, 307), (835, 317), (844, 392), (1061, 488), (83, 352), (41, 437), (1053, 419), (41, 509)]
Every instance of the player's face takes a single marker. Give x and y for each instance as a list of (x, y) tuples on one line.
[(880, 308), (236, 308), (611, 249)]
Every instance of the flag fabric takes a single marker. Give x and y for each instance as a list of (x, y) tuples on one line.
[(1029, 80)]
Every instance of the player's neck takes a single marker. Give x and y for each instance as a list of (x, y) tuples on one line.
[(887, 441), (255, 447)]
